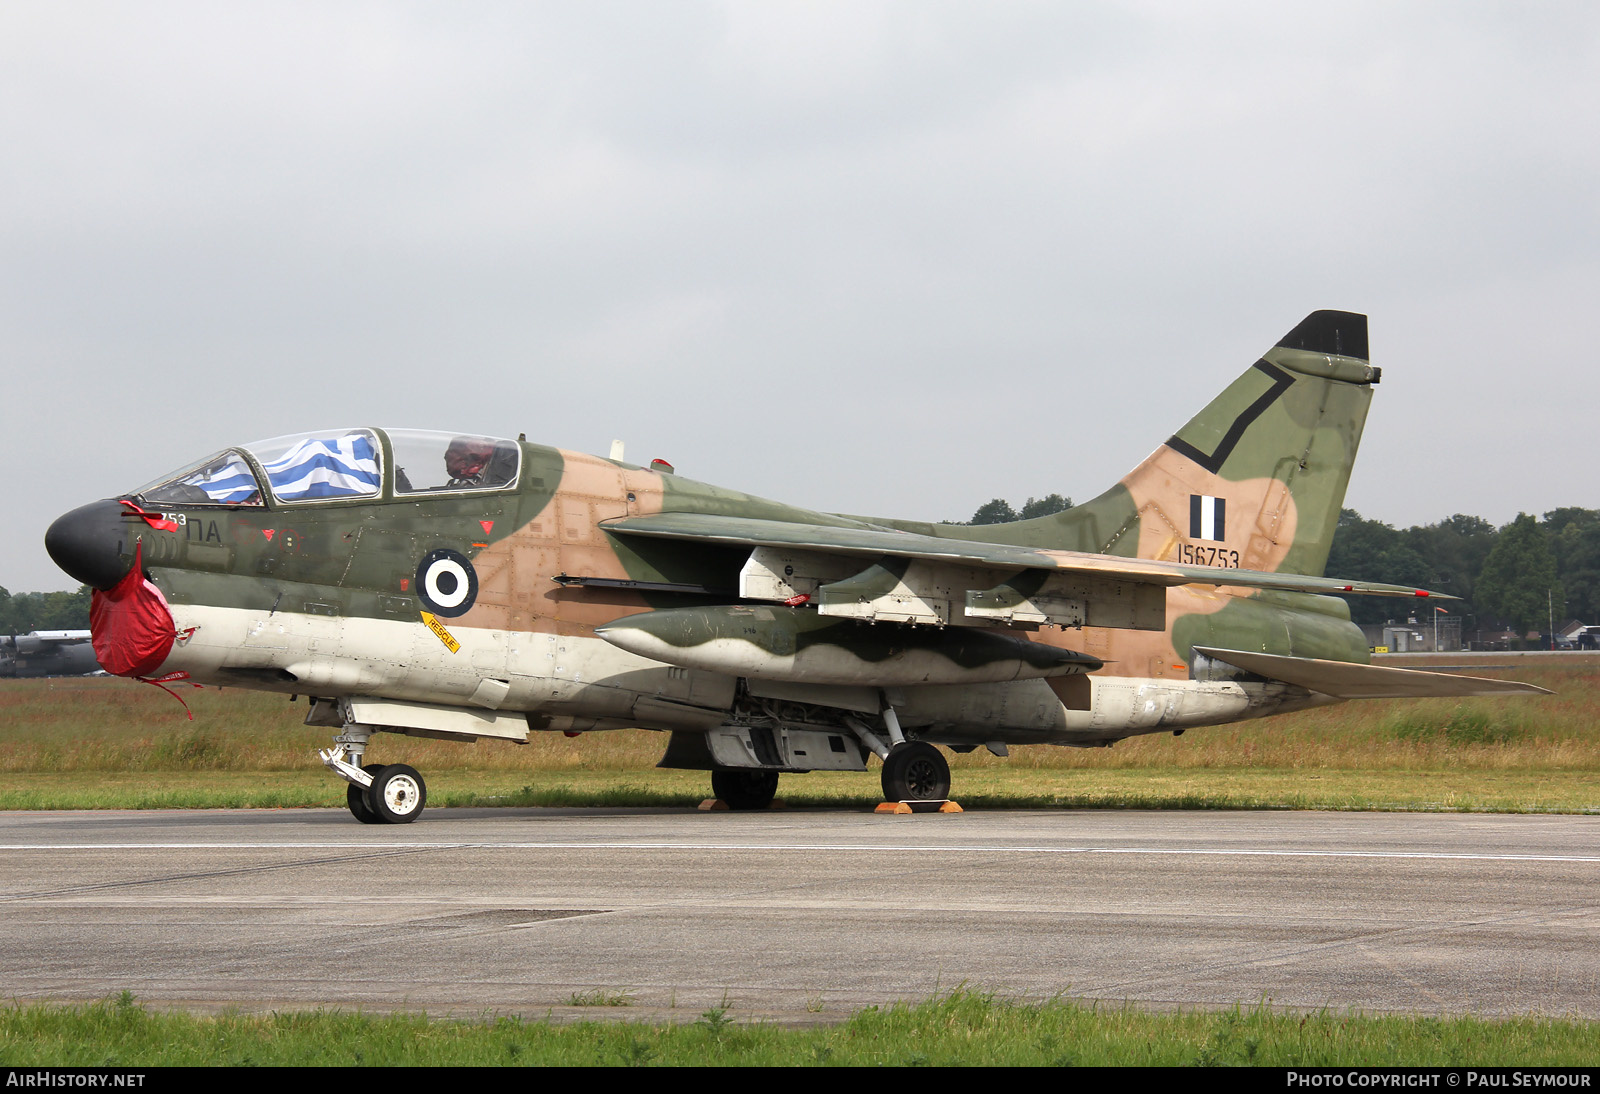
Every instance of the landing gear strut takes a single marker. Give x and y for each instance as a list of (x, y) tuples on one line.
[(915, 771), (377, 795)]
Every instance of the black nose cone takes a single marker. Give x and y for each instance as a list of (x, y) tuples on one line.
[(87, 543)]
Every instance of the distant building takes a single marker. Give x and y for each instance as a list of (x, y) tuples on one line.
[(1574, 635), (1415, 634)]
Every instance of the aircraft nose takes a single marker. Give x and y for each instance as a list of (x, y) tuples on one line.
[(87, 543)]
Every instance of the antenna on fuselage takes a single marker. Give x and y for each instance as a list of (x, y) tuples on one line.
[(616, 451)]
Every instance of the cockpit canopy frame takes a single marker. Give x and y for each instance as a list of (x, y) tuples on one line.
[(342, 465)]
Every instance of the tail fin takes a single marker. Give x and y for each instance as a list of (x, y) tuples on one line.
[(1255, 480)]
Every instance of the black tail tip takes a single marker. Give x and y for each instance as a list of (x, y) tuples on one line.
[(1339, 333)]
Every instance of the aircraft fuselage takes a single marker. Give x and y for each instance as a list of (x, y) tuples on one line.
[(327, 598), (463, 586)]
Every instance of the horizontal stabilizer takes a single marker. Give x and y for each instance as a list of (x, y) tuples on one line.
[(1345, 680)]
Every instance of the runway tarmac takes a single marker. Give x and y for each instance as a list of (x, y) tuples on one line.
[(801, 916)]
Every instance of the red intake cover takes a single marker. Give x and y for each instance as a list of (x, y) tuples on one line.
[(132, 628)]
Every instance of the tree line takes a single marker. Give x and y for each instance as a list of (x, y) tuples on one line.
[(27, 612), (1518, 576)]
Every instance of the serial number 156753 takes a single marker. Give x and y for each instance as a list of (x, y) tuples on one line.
[(1195, 555)]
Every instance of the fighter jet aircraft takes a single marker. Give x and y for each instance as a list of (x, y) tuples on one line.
[(461, 586)]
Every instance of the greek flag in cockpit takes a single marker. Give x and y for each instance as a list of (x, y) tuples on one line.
[(326, 467), (228, 481)]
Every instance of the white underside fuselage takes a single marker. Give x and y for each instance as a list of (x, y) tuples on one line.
[(574, 682)]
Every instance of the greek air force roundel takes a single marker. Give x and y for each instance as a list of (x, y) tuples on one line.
[(447, 583)]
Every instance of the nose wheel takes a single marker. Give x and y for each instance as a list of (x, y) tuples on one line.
[(397, 794), (356, 798)]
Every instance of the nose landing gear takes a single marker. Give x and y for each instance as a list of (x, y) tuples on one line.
[(393, 794), (397, 794)]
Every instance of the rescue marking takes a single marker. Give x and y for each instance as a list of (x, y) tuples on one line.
[(439, 631)]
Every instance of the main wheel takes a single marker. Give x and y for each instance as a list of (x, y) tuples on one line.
[(744, 789), (397, 794), (916, 771)]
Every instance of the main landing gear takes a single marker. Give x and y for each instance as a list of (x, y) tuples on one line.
[(915, 771), (392, 794), (744, 789)]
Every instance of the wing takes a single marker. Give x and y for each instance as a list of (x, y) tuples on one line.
[(883, 575)]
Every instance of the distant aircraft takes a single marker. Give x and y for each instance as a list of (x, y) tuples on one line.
[(47, 653), (458, 586)]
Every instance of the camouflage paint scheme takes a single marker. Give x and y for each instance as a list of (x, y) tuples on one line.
[(611, 595)]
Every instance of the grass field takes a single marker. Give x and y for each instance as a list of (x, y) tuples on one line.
[(108, 743), (962, 1029), (105, 743)]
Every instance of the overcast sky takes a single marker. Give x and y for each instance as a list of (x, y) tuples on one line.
[(886, 258)]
